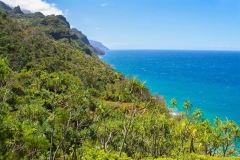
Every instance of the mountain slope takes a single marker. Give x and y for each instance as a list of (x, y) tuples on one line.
[(4, 7), (60, 101), (81, 36), (56, 26), (31, 48), (85, 40), (98, 45)]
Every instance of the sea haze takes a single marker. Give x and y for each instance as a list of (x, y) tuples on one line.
[(209, 79)]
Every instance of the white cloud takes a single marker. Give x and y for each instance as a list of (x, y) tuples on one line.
[(66, 13), (36, 6), (104, 4), (97, 28)]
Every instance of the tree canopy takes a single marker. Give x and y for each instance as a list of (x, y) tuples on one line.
[(58, 100)]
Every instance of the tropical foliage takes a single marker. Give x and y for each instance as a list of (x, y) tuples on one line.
[(57, 101)]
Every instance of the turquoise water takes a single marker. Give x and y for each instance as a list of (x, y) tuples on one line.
[(209, 79)]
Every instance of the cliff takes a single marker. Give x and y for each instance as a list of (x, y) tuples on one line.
[(85, 40), (55, 26), (98, 45)]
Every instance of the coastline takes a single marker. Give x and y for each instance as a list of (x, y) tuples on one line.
[(210, 95)]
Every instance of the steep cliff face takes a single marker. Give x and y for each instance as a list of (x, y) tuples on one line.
[(99, 45), (4, 7), (56, 26), (85, 40), (17, 10), (99, 51), (81, 36), (29, 48), (63, 19)]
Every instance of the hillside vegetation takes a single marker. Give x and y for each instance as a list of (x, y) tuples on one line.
[(58, 100)]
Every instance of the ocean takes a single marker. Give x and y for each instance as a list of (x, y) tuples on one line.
[(209, 79)]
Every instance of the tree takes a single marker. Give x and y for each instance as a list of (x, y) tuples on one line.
[(187, 106), (173, 102)]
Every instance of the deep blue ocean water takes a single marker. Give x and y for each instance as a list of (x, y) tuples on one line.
[(209, 79)]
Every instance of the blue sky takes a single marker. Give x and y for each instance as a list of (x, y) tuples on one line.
[(155, 24)]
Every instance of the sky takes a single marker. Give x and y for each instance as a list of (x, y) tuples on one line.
[(149, 24)]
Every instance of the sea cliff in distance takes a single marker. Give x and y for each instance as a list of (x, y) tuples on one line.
[(58, 100), (98, 45)]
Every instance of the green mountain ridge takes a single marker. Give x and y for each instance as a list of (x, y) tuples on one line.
[(4, 7), (58, 100), (56, 26), (17, 10)]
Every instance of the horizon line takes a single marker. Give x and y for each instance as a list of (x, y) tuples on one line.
[(236, 50)]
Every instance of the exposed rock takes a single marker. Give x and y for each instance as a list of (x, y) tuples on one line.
[(17, 10), (81, 36), (64, 19)]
